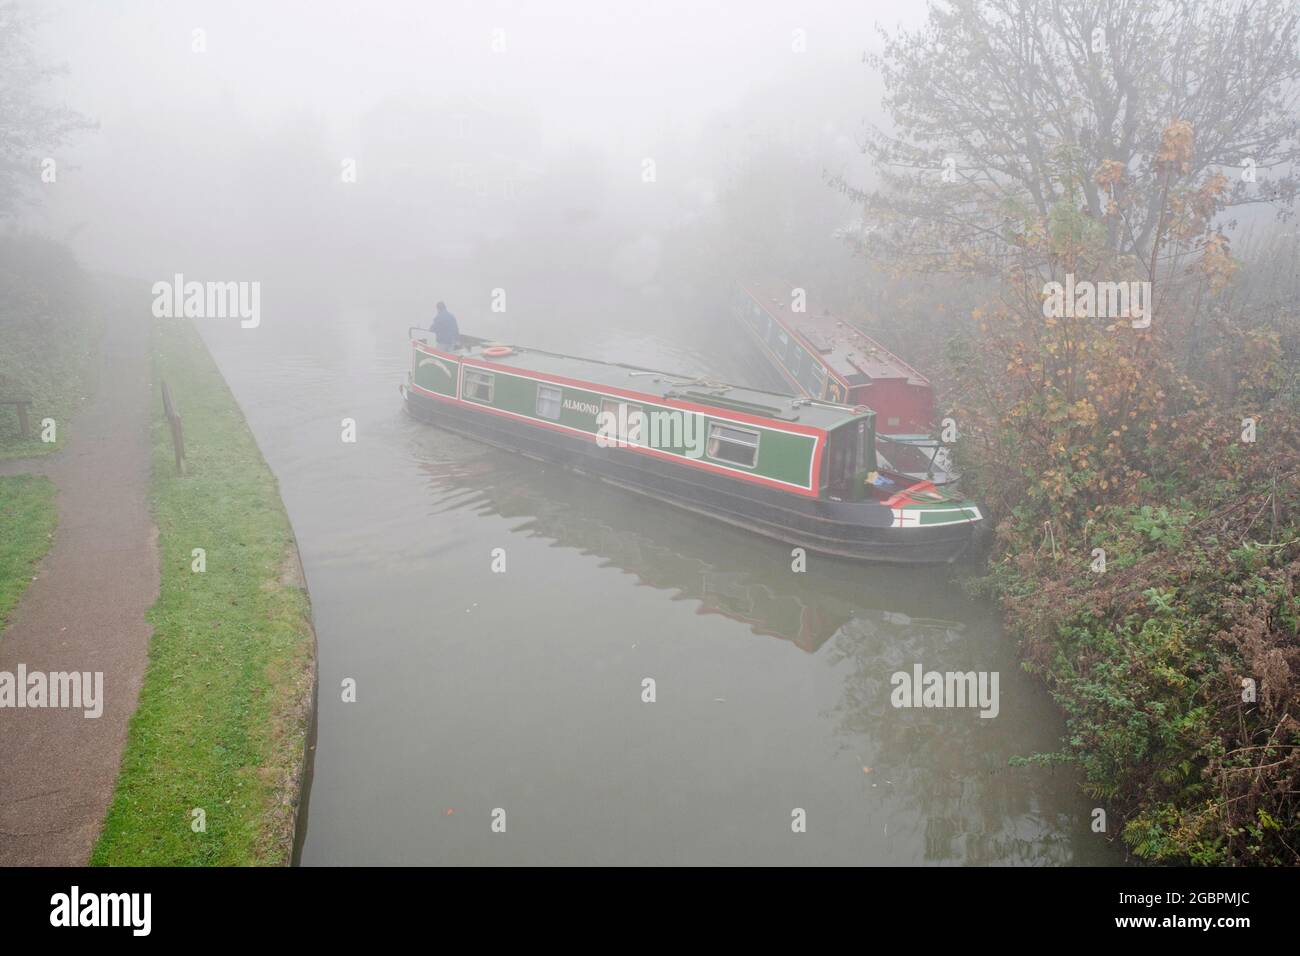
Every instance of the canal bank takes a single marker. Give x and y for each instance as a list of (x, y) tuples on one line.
[(216, 753)]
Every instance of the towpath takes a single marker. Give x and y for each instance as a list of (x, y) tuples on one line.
[(86, 609)]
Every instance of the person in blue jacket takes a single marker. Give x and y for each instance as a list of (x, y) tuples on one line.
[(446, 331)]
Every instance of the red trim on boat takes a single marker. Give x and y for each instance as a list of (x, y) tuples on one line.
[(710, 410), (911, 495), (812, 349), (815, 474), (909, 370)]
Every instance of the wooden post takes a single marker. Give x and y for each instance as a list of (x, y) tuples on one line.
[(174, 423), (178, 443), (20, 406)]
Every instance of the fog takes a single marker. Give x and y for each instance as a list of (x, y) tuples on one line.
[(404, 152), (1018, 298)]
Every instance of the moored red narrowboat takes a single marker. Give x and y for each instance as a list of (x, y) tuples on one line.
[(797, 469), (821, 356)]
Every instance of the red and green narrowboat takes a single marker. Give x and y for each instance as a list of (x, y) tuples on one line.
[(794, 468), (821, 356)]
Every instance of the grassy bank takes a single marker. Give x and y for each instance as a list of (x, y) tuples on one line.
[(226, 701), (27, 518), (48, 333)]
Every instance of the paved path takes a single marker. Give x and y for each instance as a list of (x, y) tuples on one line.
[(85, 611)]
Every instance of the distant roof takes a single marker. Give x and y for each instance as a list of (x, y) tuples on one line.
[(688, 388), (843, 348)]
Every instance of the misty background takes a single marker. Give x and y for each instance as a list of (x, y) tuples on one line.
[(492, 146)]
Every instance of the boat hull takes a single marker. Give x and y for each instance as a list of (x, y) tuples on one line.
[(860, 530)]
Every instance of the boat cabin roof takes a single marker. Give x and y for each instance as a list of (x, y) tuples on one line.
[(580, 372), (852, 355)]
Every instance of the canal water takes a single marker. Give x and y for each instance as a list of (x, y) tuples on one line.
[(523, 690)]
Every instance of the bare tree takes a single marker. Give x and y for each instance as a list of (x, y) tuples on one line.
[(1003, 109), (30, 128)]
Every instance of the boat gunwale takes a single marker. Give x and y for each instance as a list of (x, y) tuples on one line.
[(820, 436), (825, 540), (776, 424)]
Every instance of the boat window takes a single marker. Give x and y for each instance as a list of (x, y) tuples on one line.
[(845, 455), (477, 386), (866, 451), (736, 445), (783, 348), (805, 372), (549, 399), (629, 421)]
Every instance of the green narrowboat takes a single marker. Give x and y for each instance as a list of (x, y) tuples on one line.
[(794, 468)]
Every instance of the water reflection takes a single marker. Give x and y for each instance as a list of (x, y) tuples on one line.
[(693, 559), (950, 768), (935, 785)]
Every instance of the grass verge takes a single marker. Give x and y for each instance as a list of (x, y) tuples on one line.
[(28, 515), (215, 752)]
